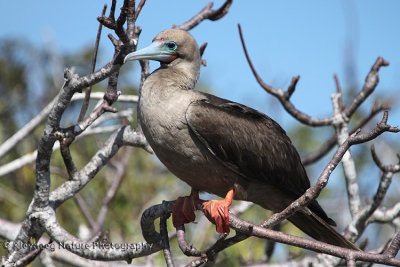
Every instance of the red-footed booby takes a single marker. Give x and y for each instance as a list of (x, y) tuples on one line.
[(218, 146)]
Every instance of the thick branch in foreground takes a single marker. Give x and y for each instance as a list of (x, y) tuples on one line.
[(249, 229), (99, 251)]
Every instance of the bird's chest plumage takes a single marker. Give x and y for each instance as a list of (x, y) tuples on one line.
[(162, 115)]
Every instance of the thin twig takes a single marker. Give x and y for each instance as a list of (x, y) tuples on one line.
[(94, 58), (202, 48), (80, 202), (66, 155), (139, 8), (339, 91), (26, 130)]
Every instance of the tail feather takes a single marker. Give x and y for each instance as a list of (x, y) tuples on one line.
[(320, 230)]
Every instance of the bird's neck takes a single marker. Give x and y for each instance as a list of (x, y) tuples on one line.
[(188, 70), (178, 77)]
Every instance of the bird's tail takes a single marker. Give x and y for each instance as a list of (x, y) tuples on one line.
[(318, 229)]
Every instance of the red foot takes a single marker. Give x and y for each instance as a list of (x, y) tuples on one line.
[(184, 208), (217, 212)]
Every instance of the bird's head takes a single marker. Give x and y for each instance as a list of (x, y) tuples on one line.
[(170, 47)]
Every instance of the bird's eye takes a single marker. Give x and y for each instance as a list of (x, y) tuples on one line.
[(171, 45)]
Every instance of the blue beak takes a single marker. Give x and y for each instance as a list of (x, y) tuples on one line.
[(155, 51)]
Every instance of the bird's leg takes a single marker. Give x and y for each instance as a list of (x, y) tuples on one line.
[(217, 212), (184, 208)]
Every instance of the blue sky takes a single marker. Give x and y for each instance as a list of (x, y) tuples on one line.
[(285, 38)]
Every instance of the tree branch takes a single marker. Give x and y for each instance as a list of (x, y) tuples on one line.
[(284, 97), (205, 13), (331, 141), (98, 251), (371, 81), (96, 49), (165, 241), (349, 169)]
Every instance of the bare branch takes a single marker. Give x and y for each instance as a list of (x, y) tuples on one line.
[(117, 26), (147, 221), (66, 155), (349, 168), (124, 136), (339, 91), (30, 256), (9, 230), (331, 141), (75, 130), (183, 245), (314, 191), (386, 215), (31, 157), (394, 246), (282, 96), (26, 129), (139, 8), (96, 49), (80, 202), (74, 83), (165, 241), (253, 230), (370, 84), (249, 229), (205, 13), (98, 251), (99, 95), (129, 6)]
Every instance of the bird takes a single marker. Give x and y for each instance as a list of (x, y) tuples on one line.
[(220, 146)]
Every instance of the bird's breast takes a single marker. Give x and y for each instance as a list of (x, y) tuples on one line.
[(163, 121)]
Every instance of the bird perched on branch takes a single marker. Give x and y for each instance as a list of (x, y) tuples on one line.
[(218, 146)]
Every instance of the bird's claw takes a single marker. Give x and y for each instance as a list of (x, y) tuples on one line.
[(217, 212), (184, 208)]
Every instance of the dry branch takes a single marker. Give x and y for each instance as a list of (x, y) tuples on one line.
[(206, 13), (284, 97)]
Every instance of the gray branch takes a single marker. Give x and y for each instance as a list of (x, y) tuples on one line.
[(340, 123)]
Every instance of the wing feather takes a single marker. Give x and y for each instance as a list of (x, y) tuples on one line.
[(251, 144)]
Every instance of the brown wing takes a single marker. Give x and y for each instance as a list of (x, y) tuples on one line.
[(250, 143)]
